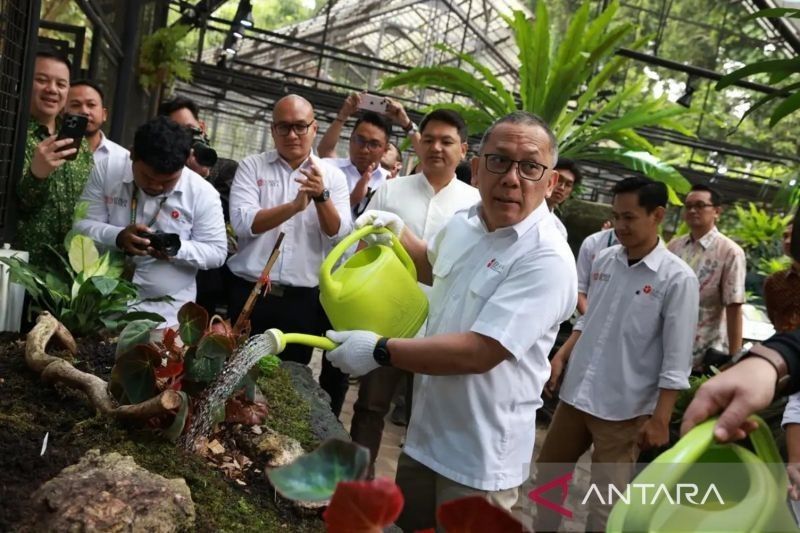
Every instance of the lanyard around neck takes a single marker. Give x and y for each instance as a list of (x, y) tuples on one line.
[(135, 203)]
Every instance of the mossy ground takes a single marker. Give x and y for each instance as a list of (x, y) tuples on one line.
[(29, 409)]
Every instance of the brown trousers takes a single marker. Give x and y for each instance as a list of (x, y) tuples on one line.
[(570, 434)]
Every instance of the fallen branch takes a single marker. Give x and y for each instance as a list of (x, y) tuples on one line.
[(56, 370)]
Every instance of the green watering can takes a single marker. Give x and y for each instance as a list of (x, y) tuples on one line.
[(750, 489), (375, 289)]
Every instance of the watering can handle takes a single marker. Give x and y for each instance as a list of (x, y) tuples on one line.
[(688, 451), (339, 250)]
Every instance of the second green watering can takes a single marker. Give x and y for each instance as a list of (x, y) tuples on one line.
[(725, 488), (376, 289)]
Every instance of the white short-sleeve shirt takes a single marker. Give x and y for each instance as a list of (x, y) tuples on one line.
[(263, 181), (108, 148), (590, 247), (192, 210), (423, 210), (636, 335), (515, 285)]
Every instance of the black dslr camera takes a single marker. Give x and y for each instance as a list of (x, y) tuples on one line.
[(167, 243), (203, 153)]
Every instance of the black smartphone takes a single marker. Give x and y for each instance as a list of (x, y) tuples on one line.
[(73, 127)]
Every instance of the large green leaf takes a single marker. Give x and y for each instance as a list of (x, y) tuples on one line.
[(132, 378), (775, 12), (650, 166), (313, 477), (790, 66), (82, 253), (788, 106), (135, 333), (105, 285), (477, 120), (192, 320), (533, 41), (173, 432), (208, 359), (499, 87)]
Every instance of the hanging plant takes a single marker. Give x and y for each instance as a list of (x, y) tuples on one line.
[(163, 59)]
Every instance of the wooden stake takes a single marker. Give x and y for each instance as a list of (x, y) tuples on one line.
[(247, 310)]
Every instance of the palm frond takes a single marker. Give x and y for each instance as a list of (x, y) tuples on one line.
[(495, 82), (648, 164)]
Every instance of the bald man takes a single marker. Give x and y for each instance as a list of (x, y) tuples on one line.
[(289, 190)]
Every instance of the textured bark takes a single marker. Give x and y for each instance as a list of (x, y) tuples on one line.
[(56, 370)]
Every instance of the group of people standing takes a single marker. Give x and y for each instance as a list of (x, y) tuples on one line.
[(491, 254)]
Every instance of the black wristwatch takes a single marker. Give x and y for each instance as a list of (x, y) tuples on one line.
[(323, 197), (381, 352)]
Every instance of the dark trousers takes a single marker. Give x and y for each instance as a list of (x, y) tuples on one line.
[(375, 393), (296, 310), (213, 289)]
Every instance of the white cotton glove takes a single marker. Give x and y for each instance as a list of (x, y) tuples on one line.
[(354, 354)]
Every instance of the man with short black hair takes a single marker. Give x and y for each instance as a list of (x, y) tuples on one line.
[(629, 355), (85, 98), (51, 184), (569, 177), (155, 191), (720, 266), (426, 202), (392, 161)]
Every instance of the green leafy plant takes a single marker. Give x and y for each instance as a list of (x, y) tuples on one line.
[(781, 75), (85, 291), (686, 396), (163, 58), (186, 360), (768, 266), (561, 83)]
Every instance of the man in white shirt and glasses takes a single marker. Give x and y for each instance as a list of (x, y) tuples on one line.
[(292, 191), (629, 355), (503, 279), (153, 191)]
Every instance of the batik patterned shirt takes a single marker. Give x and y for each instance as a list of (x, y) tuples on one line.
[(46, 206), (719, 264)]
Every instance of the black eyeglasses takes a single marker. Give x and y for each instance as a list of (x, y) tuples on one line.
[(361, 142), (699, 206), (300, 128), (528, 170)]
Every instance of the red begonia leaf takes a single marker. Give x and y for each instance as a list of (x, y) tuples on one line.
[(363, 506)]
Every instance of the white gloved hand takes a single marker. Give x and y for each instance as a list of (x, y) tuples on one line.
[(381, 219), (354, 354)]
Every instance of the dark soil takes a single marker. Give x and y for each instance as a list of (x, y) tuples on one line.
[(29, 409)]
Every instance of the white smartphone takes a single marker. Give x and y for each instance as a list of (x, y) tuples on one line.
[(370, 102)]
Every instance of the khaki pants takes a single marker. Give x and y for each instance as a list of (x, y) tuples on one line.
[(570, 434), (424, 491)]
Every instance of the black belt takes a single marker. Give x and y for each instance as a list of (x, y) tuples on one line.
[(280, 290)]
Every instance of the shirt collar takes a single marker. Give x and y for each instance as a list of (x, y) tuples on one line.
[(652, 260), (103, 143), (706, 240), (521, 227), (273, 156)]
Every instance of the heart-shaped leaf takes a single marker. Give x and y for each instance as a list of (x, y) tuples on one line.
[(474, 514), (207, 360), (105, 285), (173, 432), (314, 476), (136, 332), (363, 506), (133, 378), (169, 341), (240, 410), (82, 253), (192, 320)]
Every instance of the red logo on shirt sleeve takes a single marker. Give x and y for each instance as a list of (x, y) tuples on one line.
[(175, 214), (647, 289)]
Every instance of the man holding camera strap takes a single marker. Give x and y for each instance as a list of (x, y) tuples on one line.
[(185, 229)]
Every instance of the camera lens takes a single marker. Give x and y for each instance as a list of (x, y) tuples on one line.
[(204, 154)]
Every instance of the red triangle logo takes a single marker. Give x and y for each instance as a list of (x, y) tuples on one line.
[(536, 495)]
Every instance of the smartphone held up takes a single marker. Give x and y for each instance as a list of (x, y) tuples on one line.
[(72, 127), (371, 102)]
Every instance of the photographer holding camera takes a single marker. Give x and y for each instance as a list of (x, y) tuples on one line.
[(158, 211), (212, 285)]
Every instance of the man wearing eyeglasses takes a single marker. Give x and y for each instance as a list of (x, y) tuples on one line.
[(720, 266), (289, 190), (503, 279)]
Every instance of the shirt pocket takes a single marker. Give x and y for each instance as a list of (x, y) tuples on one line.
[(442, 267), (644, 316), (485, 284)]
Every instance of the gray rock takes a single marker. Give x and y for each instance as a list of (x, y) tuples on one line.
[(323, 424), (110, 492)]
